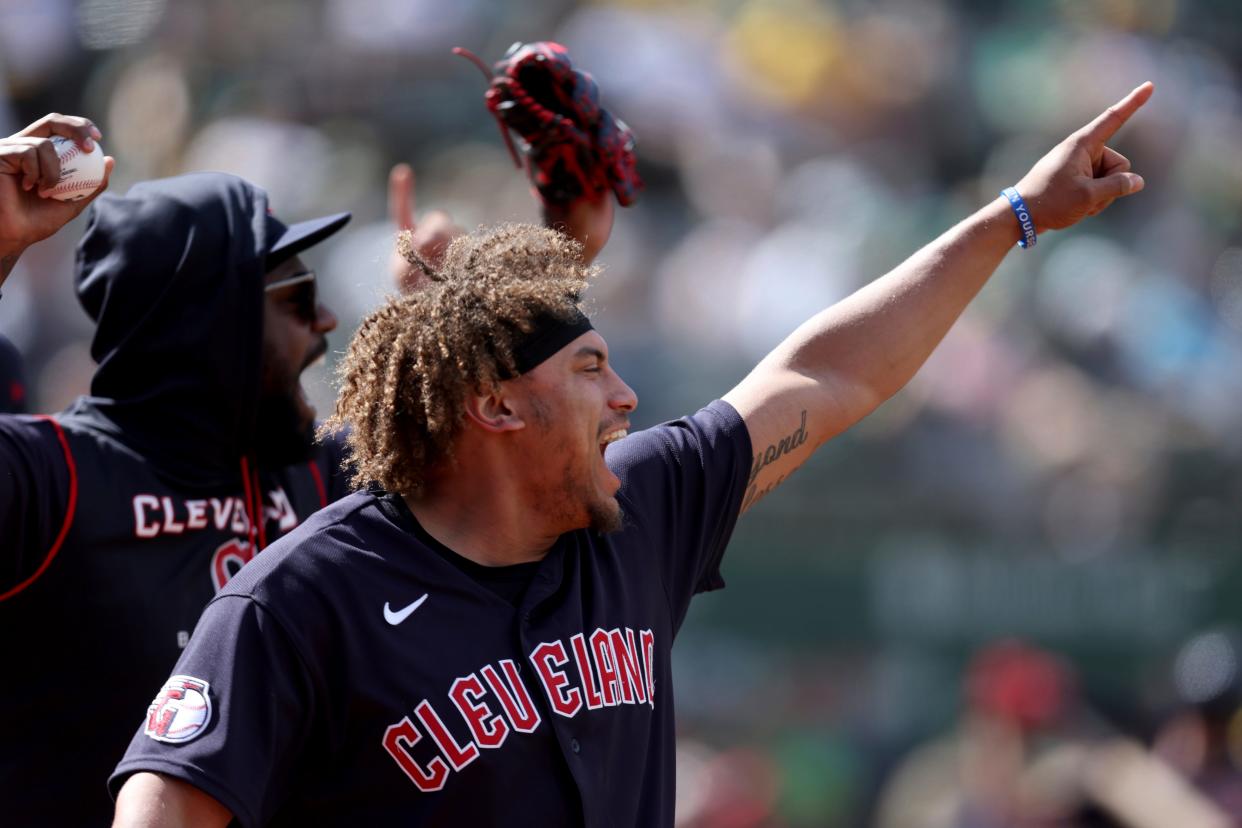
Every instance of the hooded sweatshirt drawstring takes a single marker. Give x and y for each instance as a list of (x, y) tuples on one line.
[(258, 510), (254, 506)]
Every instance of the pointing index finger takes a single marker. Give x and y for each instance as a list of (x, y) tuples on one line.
[(401, 196), (1113, 118)]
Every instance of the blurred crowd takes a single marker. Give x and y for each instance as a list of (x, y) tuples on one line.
[(1065, 470)]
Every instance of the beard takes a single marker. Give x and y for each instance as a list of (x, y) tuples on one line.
[(577, 504), (283, 436), (599, 513), (284, 426), (606, 516)]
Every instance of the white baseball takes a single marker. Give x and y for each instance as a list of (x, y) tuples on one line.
[(80, 172)]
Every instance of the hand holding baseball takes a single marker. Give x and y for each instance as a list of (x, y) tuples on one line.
[(1082, 176), (30, 172)]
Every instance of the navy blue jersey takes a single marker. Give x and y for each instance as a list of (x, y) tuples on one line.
[(121, 517), (352, 675), (102, 580)]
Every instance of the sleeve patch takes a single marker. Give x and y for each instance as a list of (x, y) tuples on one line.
[(180, 712)]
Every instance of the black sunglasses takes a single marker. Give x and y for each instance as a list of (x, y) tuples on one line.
[(305, 299)]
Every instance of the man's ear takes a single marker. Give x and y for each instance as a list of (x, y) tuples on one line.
[(493, 411)]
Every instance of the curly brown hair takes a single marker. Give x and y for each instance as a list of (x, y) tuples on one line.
[(413, 361)]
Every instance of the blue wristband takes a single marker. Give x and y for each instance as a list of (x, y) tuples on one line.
[(1024, 217)]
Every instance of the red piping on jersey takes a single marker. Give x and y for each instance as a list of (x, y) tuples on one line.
[(318, 478), (69, 511)]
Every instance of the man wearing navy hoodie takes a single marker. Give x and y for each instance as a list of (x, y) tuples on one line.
[(124, 514)]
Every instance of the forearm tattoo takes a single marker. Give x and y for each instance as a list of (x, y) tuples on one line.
[(767, 457)]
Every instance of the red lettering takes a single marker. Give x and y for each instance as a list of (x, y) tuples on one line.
[(514, 698), (398, 739), (602, 648), (161, 715), (457, 755), (593, 698), (227, 559), (626, 661), (565, 702), (487, 734), (143, 529), (647, 639)]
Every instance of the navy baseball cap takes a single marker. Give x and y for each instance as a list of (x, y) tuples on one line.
[(290, 240)]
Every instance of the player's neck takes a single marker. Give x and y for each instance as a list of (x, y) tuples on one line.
[(490, 521)]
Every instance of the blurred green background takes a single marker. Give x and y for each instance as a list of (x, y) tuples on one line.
[(1067, 468)]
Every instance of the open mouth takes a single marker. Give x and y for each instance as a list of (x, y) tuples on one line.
[(316, 356), (319, 352), (611, 437)]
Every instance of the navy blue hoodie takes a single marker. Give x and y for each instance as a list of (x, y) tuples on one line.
[(121, 517)]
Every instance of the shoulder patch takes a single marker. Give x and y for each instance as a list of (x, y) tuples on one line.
[(180, 711)]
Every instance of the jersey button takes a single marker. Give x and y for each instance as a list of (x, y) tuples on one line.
[(574, 746)]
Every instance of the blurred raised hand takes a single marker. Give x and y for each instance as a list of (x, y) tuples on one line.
[(575, 153), (430, 235)]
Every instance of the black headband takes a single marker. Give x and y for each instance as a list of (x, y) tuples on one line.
[(547, 336)]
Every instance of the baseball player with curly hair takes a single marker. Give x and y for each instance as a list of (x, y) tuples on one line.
[(125, 514), (482, 636)]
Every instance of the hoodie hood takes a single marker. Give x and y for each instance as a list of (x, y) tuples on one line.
[(172, 275)]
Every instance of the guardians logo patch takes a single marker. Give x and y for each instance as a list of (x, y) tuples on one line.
[(181, 710)]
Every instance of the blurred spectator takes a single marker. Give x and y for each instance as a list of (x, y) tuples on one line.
[(1028, 753), (1203, 738), (1017, 697)]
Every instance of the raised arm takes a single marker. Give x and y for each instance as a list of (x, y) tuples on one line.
[(588, 220), (839, 365), (575, 153), (35, 478), (429, 236), (29, 166)]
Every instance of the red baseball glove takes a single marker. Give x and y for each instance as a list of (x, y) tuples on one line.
[(572, 147)]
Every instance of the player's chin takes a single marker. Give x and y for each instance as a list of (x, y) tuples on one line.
[(606, 515), (306, 411), (609, 483), (285, 429)]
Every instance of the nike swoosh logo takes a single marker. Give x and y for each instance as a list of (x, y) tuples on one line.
[(400, 615)]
